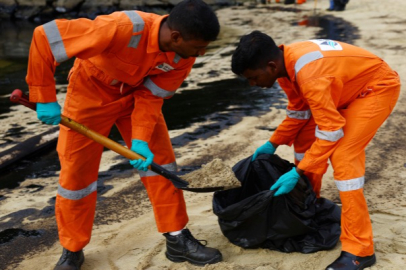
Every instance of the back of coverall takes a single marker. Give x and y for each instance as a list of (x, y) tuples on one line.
[(338, 97), (121, 77)]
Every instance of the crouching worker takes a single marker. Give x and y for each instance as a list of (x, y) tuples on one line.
[(338, 97), (126, 64)]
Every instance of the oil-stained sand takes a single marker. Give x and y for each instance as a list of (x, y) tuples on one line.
[(128, 242), (212, 174)]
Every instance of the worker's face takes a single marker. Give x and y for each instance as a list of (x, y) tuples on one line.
[(262, 77), (190, 48)]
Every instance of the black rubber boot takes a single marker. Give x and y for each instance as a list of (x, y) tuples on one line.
[(347, 261), (70, 260), (184, 247), (339, 6)]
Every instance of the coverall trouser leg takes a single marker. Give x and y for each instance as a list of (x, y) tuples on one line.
[(99, 107), (301, 144), (167, 201), (363, 117)]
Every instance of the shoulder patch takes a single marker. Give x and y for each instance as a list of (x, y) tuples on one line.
[(164, 67), (327, 44)]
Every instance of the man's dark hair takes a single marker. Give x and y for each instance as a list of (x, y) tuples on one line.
[(254, 51), (194, 19)]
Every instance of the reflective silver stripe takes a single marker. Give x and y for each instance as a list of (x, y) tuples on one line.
[(331, 136), (299, 114), (134, 41), (299, 156), (352, 184), (176, 59), (55, 41), (138, 25), (77, 194), (170, 167), (156, 90), (114, 82), (306, 59)]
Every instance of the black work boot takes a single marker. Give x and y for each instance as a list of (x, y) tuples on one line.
[(70, 260), (184, 247), (347, 261)]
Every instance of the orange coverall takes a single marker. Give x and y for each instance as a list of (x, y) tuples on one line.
[(338, 97), (121, 77)]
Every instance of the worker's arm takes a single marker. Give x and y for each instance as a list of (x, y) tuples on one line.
[(60, 40), (297, 115), (149, 98), (329, 121)]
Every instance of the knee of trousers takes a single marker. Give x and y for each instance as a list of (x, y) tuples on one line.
[(347, 166)]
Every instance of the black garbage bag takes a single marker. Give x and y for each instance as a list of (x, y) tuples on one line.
[(250, 217)]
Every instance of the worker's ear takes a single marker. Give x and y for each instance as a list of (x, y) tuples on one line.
[(176, 38), (272, 66)]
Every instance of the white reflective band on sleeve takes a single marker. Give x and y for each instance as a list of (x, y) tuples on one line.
[(331, 136), (138, 25), (299, 114), (77, 194), (306, 59), (55, 41), (352, 184), (299, 156), (170, 167), (156, 90)]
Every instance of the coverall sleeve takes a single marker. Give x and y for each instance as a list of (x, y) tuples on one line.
[(59, 40), (297, 115), (148, 100), (329, 121)]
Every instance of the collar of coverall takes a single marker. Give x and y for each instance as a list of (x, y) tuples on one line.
[(290, 67), (153, 39)]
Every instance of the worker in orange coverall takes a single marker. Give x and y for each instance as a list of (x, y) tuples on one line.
[(126, 64), (338, 97)]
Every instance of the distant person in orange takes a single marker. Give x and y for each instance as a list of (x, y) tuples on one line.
[(338, 97), (126, 64)]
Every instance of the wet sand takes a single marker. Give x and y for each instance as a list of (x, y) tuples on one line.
[(125, 235)]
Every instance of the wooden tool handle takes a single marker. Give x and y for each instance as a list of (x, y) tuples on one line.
[(19, 97), (97, 137)]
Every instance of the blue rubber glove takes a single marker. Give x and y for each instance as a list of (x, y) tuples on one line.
[(49, 113), (266, 148), (286, 182), (141, 147)]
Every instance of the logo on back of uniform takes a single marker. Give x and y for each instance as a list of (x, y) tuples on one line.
[(327, 44), (164, 67)]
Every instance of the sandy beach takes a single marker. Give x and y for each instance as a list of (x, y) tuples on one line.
[(125, 235)]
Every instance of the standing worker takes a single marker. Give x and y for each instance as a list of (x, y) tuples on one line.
[(126, 64), (338, 97)]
